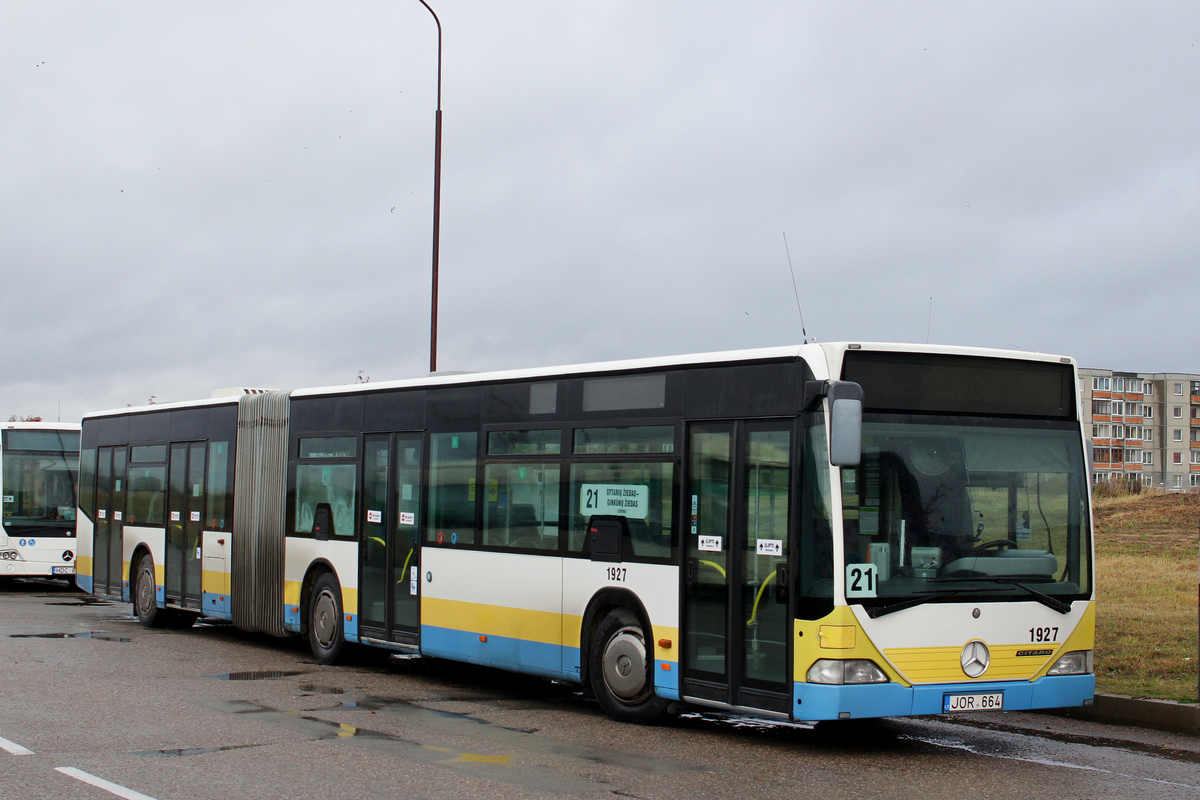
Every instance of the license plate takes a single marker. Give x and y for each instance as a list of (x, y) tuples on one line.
[(959, 703), (62, 570)]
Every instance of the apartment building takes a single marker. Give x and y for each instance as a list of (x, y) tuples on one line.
[(1144, 426)]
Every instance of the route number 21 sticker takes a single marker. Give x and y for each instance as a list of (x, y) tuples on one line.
[(861, 580)]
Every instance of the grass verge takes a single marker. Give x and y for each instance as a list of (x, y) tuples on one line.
[(1146, 609)]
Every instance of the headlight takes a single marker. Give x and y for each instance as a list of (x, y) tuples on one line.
[(1077, 663), (841, 671), (10, 555)]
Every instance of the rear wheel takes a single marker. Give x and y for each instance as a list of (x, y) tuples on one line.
[(620, 670), (325, 620), (145, 595)]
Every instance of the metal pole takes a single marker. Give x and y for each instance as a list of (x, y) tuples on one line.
[(437, 198)]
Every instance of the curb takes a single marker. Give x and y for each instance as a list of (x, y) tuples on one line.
[(1141, 712)]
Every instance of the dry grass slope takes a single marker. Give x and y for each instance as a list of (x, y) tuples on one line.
[(1146, 614)]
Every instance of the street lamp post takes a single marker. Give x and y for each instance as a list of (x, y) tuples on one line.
[(437, 197)]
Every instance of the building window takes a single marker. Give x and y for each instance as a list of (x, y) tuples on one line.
[(1178, 388), (1195, 387), (1118, 384), (1177, 481), (1100, 455), (1118, 408), (1195, 481), (1101, 407), (1147, 412), (1118, 432), (1177, 435), (1100, 384), (1147, 458), (1176, 458), (1196, 456), (1100, 430), (1177, 412), (1147, 434), (1133, 456)]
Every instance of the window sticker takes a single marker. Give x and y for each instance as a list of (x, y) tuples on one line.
[(408, 518), (620, 500), (195, 517), (711, 544), (117, 515), (174, 516), (770, 547), (103, 514), (374, 516)]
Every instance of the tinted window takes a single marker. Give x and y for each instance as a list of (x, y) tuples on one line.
[(524, 443), (643, 439), (625, 393), (961, 384), (452, 488), (331, 447)]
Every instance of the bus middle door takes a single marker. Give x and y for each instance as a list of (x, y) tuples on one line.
[(185, 512), (389, 556)]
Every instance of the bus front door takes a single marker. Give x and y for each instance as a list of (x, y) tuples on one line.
[(389, 600), (110, 508), (736, 634), (185, 510)]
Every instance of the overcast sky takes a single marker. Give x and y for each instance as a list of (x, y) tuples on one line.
[(201, 195)]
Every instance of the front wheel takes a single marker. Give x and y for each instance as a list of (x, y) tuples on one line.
[(620, 670), (325, 620), (145, 595)]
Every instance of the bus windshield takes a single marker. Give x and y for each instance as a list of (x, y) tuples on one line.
[(39, 475), (947, 508)]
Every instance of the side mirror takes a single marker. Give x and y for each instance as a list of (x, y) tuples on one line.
[(845, 423)]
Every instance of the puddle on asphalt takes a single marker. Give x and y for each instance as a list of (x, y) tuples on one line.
[(83, 600), (190, 751), (258, 675), (311, 687), (1088, 741), (104, 637)]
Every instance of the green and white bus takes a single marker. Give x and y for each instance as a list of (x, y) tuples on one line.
[(811, 532)]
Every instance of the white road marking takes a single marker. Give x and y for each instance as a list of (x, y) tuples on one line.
[(14, 748), (100, 783)]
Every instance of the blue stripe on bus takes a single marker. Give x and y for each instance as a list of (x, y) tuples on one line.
[(518, 655), (818, 701), (215, 605), (84, 582), (350, 628), (666, 679)]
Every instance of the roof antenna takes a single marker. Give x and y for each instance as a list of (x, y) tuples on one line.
[(795, 291)]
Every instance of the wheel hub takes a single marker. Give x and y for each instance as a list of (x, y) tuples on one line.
[(624, 665), (325, 619)]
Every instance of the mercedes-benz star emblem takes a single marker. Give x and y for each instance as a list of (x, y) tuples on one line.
[(974, 659)]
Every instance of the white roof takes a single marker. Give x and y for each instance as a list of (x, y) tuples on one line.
[(824, 359)]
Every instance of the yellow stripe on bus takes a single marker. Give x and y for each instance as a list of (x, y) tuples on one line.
[(513, 623)]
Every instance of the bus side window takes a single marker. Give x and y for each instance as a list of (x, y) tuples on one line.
[(452, 460)]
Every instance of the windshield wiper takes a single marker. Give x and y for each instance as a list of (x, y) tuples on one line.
[(878, 611), (1044, 599)]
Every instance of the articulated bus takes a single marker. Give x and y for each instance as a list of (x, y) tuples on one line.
[(806, 533), (39, 464)]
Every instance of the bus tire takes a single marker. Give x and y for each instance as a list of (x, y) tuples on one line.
[(621, 671), (145, 595), (325, 637)]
